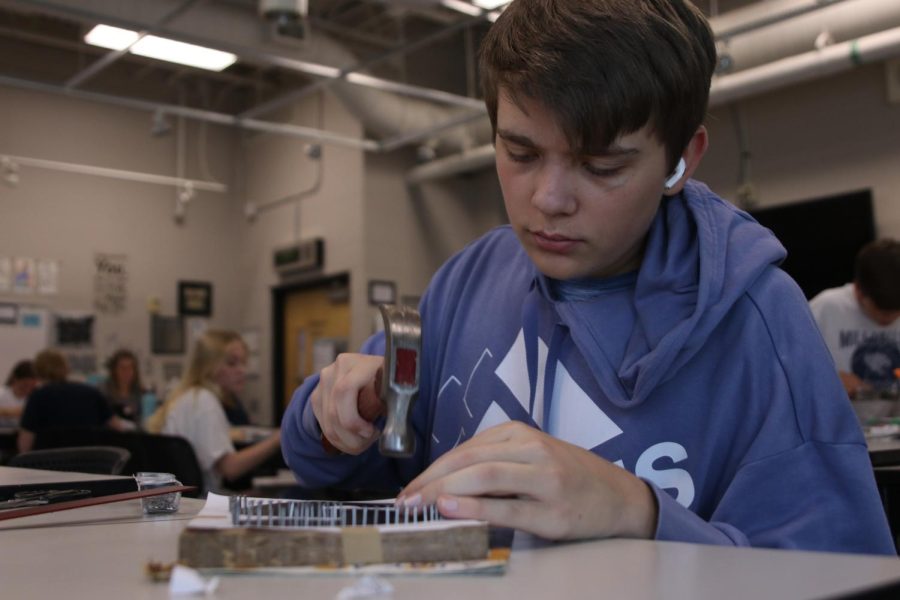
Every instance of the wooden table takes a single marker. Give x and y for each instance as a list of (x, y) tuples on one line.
[(100, 552)]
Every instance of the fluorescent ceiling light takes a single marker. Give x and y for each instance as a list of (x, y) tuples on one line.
[(490, 4), (463, 7), (473, 11), (184, 54), (110, 37), (159, 48)]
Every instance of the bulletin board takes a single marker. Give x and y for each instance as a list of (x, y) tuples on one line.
[(28, 335)]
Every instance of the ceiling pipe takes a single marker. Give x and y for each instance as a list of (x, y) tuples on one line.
[(763, 14), (374, 101), (395, 119), (307, 133), (729, 88), (464, 162), (805, 67), (180, 182), (357, 66), (841, 22)]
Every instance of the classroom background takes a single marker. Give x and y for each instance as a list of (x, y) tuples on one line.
[(345, 155)]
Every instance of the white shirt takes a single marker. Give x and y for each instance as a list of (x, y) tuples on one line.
[(9, 400), (857, 344), (198, 417)]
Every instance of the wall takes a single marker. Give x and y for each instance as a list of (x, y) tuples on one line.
[(411, 232), (70, 217), (816, 139), (275, 167)]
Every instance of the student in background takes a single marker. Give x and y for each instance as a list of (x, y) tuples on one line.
[(123, 388), (194, 410), (59, 403), (20, 383), (625, 358), (859, 321), (234, 409)]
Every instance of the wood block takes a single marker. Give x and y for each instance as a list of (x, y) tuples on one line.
[(248, 547)]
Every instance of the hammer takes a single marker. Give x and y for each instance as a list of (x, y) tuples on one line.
[(396, 384)]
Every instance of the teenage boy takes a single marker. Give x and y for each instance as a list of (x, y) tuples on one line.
[(859, 320), (625, 358)]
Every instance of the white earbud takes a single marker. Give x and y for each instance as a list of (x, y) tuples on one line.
[(676, 174)]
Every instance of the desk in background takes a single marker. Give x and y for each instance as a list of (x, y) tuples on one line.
[(99, 552), (884, 450), (14, 480), (8, 443)]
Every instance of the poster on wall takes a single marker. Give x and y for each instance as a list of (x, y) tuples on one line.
[(110, 283), (5, 274), (47, 277), (74, 329), (195, 329), (23, 275), (166, 334)]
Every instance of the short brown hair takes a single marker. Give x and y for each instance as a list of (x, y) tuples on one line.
[(605, 68), (877, 273), (112, 364), (50, 365), (24, 369)]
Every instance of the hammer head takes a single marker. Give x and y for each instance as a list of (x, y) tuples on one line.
[(400, 383)]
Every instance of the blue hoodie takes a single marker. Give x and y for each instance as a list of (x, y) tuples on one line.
[(703, 374)]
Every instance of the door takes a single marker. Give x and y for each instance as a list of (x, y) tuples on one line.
[(315, 329)]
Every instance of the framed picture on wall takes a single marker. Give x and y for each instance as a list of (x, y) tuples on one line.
[(166, 335), (382, 292), (195, 298), (9, 313)]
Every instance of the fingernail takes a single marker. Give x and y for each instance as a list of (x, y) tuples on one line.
[(448, 504), (413, 501)]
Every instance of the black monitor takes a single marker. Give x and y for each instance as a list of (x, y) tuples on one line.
[(822, 237)]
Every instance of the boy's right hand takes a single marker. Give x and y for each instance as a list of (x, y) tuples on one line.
[(335, 401)]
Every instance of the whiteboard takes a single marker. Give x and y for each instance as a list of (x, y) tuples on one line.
[(24, 339)]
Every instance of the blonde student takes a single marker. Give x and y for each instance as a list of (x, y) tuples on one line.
[(194, 410)]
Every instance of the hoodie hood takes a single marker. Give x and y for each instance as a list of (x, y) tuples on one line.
[(702, 255)]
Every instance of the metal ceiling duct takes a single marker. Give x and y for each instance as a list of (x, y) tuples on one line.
[(757, 55), (767, 58)]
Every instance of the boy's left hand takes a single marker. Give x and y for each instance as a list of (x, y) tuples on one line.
[(513, 475)]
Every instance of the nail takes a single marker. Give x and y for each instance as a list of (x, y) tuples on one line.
[(413, 501), (449, 505)]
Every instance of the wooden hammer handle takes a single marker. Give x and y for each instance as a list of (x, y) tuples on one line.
[(368, 404)]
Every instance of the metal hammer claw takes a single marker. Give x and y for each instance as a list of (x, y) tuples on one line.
[(400, 381), (396, 385)]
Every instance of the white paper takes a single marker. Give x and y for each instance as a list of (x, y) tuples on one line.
[(188, 582), (23, 275), (368, 587), (5, 274), (324, 353), (47, 277)]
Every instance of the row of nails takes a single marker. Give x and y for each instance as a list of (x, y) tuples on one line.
[(313, 513)]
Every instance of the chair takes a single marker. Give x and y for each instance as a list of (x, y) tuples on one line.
[(149, 451), (887, 478), (101, 460)]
